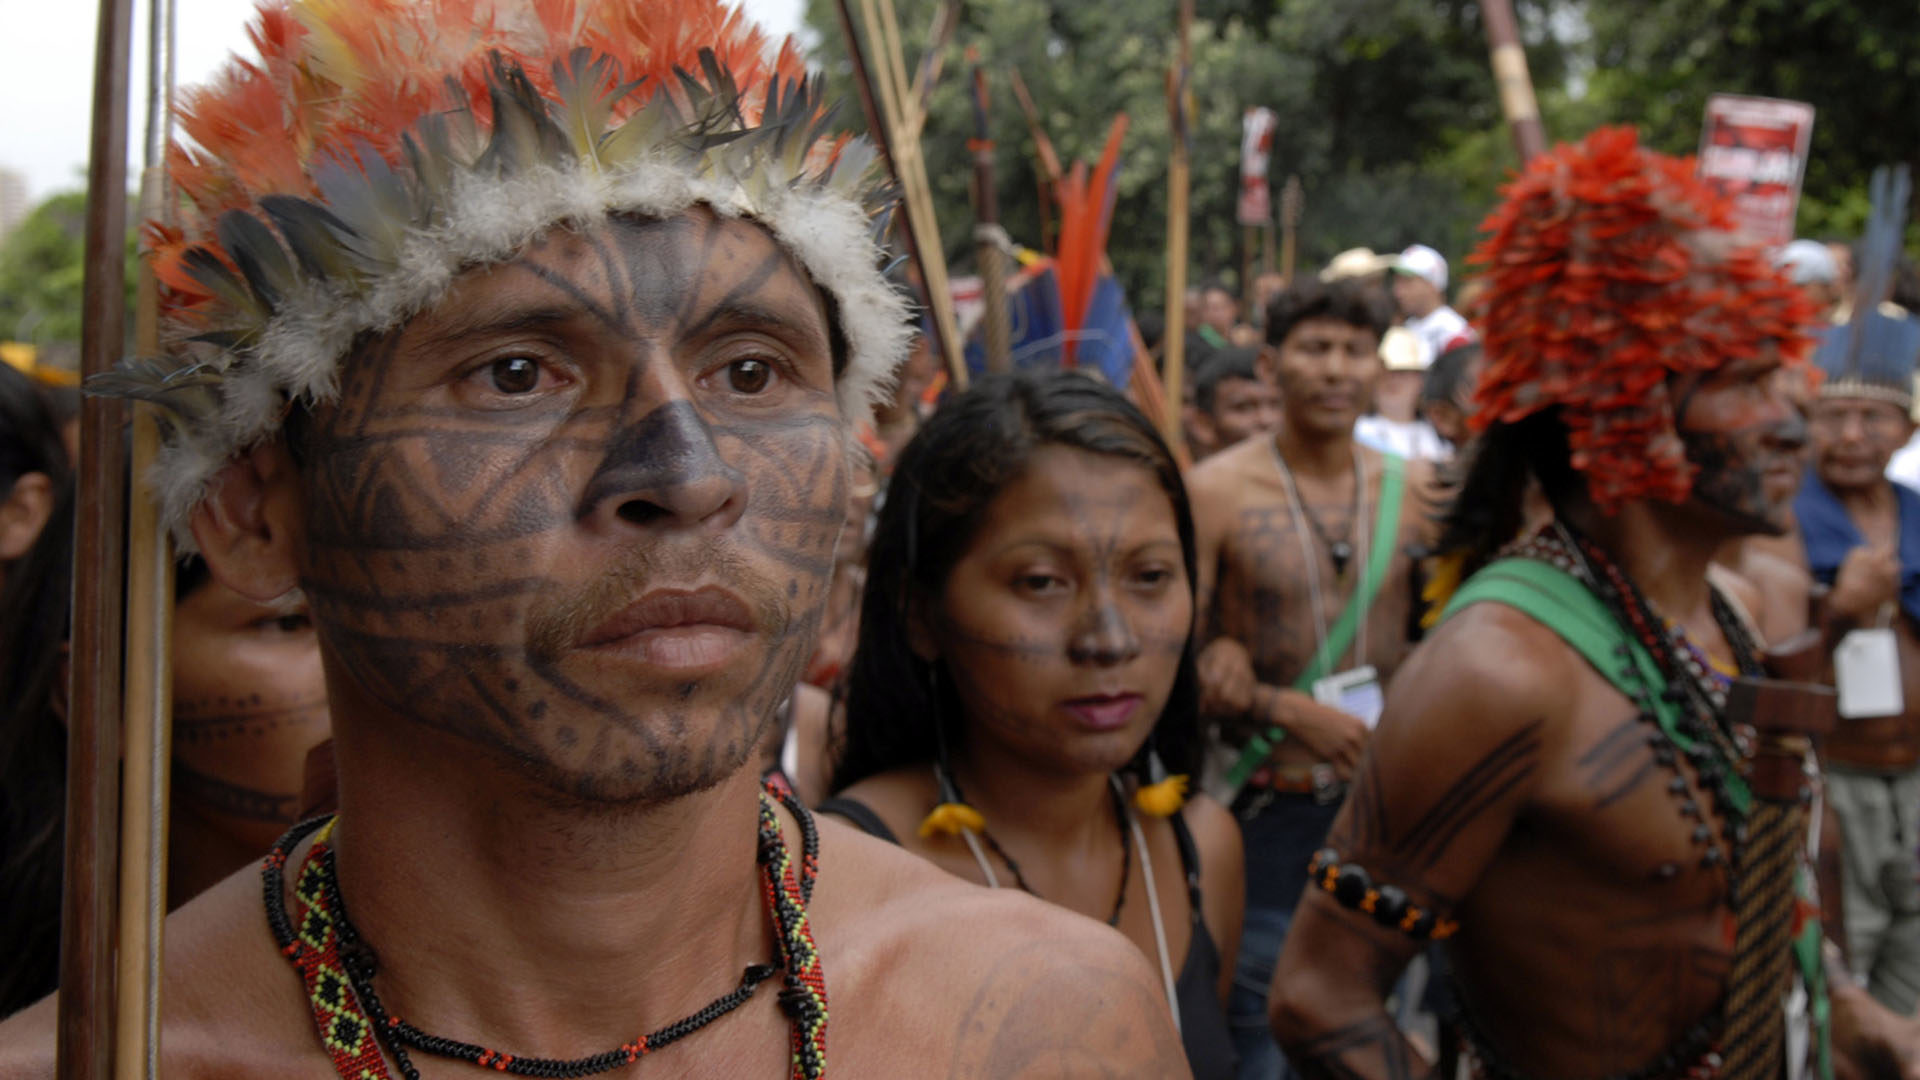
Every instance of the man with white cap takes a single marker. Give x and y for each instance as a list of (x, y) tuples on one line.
[(1395, 425), (1419, 279), (1808, 264)]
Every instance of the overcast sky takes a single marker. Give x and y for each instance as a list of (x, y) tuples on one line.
[(46, 83)]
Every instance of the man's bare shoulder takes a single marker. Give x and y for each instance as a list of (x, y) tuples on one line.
[(1226, 471), (931, 975), (1491, 659), (231, 1006)]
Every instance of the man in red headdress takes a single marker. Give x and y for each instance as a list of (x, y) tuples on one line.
[(1558, 790)]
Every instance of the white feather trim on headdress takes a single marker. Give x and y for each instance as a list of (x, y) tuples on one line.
[(280, 285)]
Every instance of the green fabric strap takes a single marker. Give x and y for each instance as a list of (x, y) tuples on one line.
[(1386, 529), (1560, 602)]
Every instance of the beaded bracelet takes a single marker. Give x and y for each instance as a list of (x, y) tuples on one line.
[(1353, 887)]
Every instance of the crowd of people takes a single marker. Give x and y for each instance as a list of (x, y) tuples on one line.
[(596, 604)]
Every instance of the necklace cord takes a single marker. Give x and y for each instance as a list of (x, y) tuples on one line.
[(1363, 551), (1153, 908), (338, 967)]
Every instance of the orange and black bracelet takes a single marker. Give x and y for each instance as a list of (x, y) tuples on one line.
[(1389, 905)]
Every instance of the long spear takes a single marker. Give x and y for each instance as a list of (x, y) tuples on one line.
[(988, 237), (1049, 173), (148, 748), (884, 109), (86, 997), (1516, 85), (1179, 112)]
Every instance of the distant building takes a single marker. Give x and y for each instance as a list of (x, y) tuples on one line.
[(14, 205)]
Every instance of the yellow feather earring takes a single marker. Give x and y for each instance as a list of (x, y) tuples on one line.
[(1166, 794), (952, 817)]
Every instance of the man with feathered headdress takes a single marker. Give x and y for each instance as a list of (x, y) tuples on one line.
[(1570, 785), (527, 339), (1861, 533)]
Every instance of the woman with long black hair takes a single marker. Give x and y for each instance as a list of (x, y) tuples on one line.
[(1022, 707)]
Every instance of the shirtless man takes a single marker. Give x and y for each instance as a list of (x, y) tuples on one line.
[(1287, 527), (566, 528), (1862, 538), (1575, 854)]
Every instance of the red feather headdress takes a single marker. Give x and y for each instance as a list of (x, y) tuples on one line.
[(374, 149), (1600, 287)]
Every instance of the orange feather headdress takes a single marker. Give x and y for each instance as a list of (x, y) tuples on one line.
[(375, 149), (1604, 278)]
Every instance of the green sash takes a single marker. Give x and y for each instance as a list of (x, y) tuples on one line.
[(1386, 530), (1558, 601)]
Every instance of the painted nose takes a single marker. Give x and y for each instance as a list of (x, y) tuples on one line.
[(1790, 435), (664, 469), (1103, 638)]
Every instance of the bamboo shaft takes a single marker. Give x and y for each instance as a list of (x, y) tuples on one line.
[(147, 749), (987, 232), (1174, 347), (1516, 85), (910, 170), (877, 125), (86, 998)]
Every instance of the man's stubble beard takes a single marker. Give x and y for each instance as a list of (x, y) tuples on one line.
[(1732, 485)]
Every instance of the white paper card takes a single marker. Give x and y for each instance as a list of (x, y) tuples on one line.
[(1356, 693), (1866, 671)]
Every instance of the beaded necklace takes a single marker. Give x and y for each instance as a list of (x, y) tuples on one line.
[(1715, 754), (338, 966)]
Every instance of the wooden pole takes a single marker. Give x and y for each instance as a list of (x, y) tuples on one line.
[(1047, 178), (86, 999), (148, 747), (989, 238), (882, 100), (946, 20), (1179, 110), (1249, 236), (1291, 200), (147, 751), (1516, 85)]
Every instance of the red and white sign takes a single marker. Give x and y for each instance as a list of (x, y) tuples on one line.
[(1256, 154), (1755, 151)]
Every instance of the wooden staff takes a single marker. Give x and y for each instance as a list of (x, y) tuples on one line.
[(1291, 199), (1174, 345), (897, 134), (989, 238), (1049, 173), (148, 745), (1516, 85), (86, 997), (1249, 236), (946, 20)]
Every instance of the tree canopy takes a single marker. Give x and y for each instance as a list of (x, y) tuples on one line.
[(42, 270), (1387, 109)]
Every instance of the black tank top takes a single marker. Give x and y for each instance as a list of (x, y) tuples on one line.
[(1196, 991)]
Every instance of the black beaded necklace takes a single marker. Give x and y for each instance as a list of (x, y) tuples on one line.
[(1020, 879), (1714, 755)]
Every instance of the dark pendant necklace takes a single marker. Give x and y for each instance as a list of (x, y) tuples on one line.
[(338, 966), (1339, 552), (1126, 852)]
